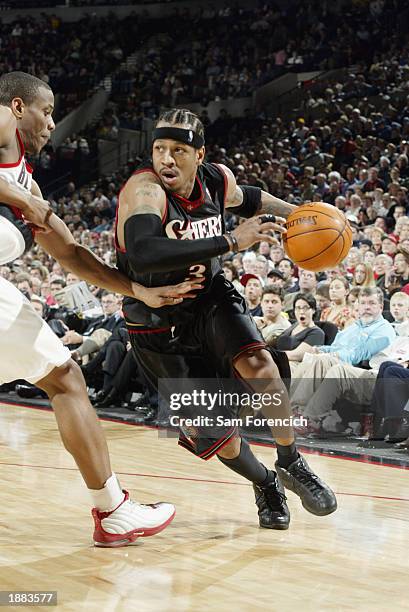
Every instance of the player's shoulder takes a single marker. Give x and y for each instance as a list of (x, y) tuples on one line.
[(143, 188), (144, 179), (145, 174), (218, 171), (8, 126)]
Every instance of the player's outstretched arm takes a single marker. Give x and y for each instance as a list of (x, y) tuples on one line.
[(246, 201), (140, 232), (60, 244)]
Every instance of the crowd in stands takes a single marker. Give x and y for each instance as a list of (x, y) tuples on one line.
[(257, 45), (233, 51), (73, 57)]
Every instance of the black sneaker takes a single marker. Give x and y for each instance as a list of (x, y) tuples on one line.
[(315, 495), (273, 512)]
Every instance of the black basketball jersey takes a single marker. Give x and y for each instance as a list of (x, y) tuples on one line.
[(202, 216)]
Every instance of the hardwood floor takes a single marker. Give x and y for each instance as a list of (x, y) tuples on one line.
[(213, 556)]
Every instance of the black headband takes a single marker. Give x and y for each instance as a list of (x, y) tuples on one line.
[(188, 137)]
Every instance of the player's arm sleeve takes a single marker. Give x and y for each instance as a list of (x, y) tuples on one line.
[(248, 201), (149, 251), (241, 200)]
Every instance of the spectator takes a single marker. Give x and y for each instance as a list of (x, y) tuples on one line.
[(322, 296), (330, 372), (304, 333), (273, 322), (232, 275), (382, 265), (339, 312), (98, 330), (389, 406), (253, 289), (287, 269), (363, 276), (399, 308)]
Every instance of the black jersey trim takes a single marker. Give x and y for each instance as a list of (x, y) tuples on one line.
[(155, 330), (212, 450), (248, 348), (117, 247), (226, 183), (192, 204)]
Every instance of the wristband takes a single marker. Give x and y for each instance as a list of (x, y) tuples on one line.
[(235, 244)]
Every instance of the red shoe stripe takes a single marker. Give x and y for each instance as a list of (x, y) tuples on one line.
[(104, 539)]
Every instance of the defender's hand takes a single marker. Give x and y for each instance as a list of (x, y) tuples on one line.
[(156, 297), (37, 213)]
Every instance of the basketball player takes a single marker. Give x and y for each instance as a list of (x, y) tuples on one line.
[(170, 224), (28, 348)]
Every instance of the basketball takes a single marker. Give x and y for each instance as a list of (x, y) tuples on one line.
[(318, 236)]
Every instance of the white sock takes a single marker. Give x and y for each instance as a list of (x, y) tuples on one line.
[(109, 497)]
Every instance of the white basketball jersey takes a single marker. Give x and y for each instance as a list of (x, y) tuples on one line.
[(20, 172)]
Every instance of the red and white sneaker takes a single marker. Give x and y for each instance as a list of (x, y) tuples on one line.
[(130, 521)]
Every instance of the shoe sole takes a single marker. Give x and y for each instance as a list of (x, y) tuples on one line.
[(279, 527), (324, 513), (288, 485), (130, 538)]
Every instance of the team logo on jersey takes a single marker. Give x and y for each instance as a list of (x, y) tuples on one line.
[(23, 177), (191, 230)]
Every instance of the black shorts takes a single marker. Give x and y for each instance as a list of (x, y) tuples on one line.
[(219, 332)]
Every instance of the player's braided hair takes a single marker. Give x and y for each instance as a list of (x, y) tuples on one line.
[(182, 116), (19, 85)]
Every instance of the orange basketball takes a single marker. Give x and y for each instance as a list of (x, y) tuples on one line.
[(318, 236)]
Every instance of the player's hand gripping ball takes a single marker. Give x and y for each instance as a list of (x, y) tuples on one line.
[(318, 236)]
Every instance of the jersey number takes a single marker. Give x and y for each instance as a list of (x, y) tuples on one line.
[(196, 271)]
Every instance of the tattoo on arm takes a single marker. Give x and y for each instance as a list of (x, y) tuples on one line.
[(271, 205), (236, 199), (152, 194)]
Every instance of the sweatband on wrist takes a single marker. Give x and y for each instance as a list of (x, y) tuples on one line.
[(235, 244), (251, 202)]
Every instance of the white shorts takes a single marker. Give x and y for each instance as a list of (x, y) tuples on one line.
[(28, 347)]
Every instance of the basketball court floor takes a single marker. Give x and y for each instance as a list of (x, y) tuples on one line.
[(213, 556)]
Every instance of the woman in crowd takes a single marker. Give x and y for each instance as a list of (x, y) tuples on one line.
[(230, 272), (363, 276), (353, 259), (304, 333), (339, 312)]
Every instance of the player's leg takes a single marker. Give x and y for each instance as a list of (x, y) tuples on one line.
[(270, 496), (261, 373), (31, 351), (151, 351), (118, 520), (237, 347)]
